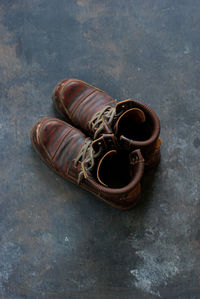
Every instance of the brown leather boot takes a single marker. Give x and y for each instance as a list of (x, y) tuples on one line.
[(92, 110), (95, 165)]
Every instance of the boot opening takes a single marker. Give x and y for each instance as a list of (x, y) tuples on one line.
[(133, 124), (114, 170)]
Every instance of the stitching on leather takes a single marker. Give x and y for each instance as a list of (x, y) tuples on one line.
[(40, 141), (61, 101)]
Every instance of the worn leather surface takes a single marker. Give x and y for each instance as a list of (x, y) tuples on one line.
[(58, 144), (78, 101)]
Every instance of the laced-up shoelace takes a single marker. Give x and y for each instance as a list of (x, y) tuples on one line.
[(96, 125), (87, 156)]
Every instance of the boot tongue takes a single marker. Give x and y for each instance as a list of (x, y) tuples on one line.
[(115, 169), (132, 116), (106, 147), (135, 114), (106, 128), (100, 168), (104, 143)]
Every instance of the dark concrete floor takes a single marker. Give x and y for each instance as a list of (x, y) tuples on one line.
[(58, 241)]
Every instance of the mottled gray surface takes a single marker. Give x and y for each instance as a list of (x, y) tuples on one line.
[(58, 241)]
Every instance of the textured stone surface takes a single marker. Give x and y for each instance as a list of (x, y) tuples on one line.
[(58, 241)]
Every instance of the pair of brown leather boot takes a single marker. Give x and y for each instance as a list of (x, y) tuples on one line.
[(105, 147)]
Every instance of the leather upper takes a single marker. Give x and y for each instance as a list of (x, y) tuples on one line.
[(79, 101), (58, 144)]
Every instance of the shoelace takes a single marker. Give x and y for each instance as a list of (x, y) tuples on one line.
[(96, 125), (86, 155)]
